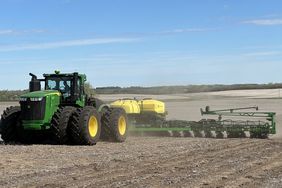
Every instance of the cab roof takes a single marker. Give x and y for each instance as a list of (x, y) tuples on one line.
[(65, 75)]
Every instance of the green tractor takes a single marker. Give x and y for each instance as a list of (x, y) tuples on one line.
[(62, 113)]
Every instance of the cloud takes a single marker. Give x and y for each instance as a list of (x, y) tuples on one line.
[(68, 43), (263, 53), (6, 32), (187, 30), (20, 32), (264, 22)]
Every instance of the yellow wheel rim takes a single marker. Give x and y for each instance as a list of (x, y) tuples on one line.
[(93, 126), (121, 125)]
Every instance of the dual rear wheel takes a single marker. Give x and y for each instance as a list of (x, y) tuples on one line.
[(114, 124), (85, 126)]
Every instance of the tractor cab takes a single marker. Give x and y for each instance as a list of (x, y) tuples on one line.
[(71, 86)]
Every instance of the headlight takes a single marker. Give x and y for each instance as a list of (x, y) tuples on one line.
[(23, 99), (36, 99)]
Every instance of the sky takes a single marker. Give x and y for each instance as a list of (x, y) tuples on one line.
[(142, 42)]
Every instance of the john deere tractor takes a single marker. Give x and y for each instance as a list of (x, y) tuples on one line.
[(62, 113)]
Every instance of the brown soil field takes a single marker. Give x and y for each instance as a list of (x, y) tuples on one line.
[(155, 161)]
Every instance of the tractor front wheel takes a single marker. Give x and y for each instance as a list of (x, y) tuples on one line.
[(10, 123)]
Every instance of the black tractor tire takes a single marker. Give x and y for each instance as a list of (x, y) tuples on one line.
[(105, 120), (60, 124), (10, 121), (95, 102), (85, 126), (115, 124)]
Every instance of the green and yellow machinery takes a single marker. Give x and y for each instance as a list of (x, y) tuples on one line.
[(148, 117), (62, 113)]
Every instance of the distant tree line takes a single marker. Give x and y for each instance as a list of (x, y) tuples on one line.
[(183, 89), (13, 95), (6, 95)]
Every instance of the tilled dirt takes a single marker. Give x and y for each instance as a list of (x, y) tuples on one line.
[(145, 162), (153, 161)]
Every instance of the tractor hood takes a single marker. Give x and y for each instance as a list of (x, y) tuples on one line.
[(37, 94)]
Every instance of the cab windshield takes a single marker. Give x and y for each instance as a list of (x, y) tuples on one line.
[(62, 84)]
